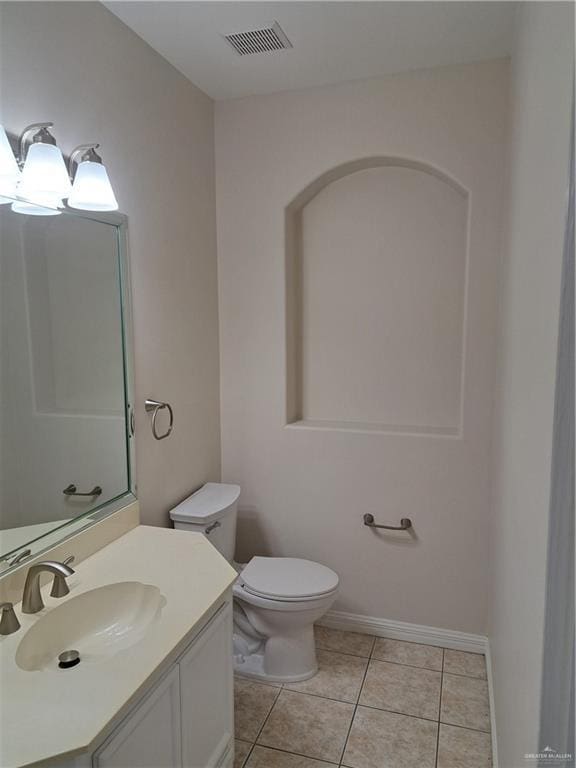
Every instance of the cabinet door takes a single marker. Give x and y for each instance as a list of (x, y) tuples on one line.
[(206, 692), (150, 736)]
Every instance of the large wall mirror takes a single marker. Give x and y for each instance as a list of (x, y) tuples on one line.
[(65, 376)]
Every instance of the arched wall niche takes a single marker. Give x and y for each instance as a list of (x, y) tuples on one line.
[(376, 273)]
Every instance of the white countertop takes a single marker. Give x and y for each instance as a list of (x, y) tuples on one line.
[(49, 713)]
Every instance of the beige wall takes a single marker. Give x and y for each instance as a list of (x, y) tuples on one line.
[(304, 489), (541, 94), (78, 65)]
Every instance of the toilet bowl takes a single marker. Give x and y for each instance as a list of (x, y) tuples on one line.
[(276, 599)]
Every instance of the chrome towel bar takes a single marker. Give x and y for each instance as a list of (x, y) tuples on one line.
[(154, 407), (405, 523)]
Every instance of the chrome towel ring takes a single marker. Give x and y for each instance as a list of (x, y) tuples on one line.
[(154, 407)]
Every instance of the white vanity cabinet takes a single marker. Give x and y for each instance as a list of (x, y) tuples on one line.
[(207, 695), (150, 737), (187, 719)]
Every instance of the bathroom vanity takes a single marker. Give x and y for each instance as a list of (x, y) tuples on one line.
[(149, 610), (155, 692)]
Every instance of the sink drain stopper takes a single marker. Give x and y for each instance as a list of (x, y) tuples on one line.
[(68, 659)]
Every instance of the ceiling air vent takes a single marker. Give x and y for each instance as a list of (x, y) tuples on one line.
[(263, 40)]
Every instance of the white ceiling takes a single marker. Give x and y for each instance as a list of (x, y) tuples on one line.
[(333, 41)]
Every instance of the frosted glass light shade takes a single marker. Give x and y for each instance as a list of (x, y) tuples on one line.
[(44, 175), (92, 190), (9, 171), (41, 207)]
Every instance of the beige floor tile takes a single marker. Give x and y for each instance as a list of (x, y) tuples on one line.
[(407, 690), (460, 663), (465, 702), (381, 739), (241, 749), (458, 747), (263, 757), (252, 703), (339, 677), (308, 725), (345, 642), (413, 654)]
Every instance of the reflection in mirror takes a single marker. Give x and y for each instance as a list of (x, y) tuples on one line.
[(63, 435)]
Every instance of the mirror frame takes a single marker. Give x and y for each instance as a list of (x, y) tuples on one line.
[(84, 521)]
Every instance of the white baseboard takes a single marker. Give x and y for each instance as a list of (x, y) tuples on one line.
[(490, 676), (401, 630)]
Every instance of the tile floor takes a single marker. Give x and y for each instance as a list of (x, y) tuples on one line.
[(375, 703)]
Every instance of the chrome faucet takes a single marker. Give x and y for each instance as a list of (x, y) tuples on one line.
[(32, 598)]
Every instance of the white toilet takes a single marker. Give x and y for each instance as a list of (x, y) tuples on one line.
[(277, 599)]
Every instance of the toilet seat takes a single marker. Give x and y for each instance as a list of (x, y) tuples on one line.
[(284, 606), (287, 579)]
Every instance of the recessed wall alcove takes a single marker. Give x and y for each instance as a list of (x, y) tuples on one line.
[(376, 270)]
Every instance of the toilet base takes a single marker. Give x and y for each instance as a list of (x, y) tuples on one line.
[(252, 667), (287, 657)]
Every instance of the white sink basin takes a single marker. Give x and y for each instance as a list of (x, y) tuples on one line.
[(97, 624)]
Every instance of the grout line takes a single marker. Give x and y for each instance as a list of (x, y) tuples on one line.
[(466, 728), (320, 696), (410, 666), (373, 647), (374, 638), (404, 714), (264, 723), (297, 754), (440, 709), (342, 653), (355, 710), (247, 755), (468, 677), (328, 698)]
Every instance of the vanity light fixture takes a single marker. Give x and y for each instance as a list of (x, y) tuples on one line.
[(91, 190), (39, 180), (9, 171), (44, 180)]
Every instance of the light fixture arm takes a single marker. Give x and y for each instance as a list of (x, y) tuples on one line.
[(30, 134), (79, 154)]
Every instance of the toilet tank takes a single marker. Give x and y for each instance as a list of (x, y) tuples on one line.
[(212, 510)]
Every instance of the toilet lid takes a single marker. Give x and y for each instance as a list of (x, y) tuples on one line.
[(287, 578)]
